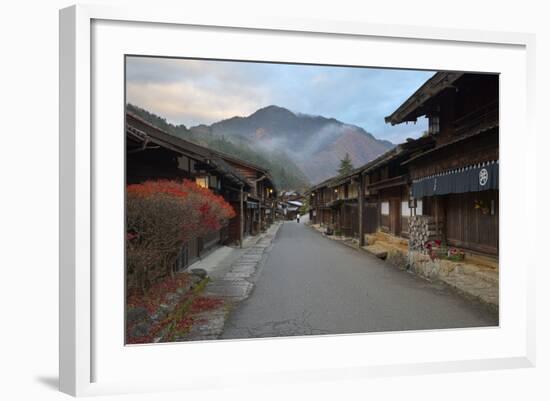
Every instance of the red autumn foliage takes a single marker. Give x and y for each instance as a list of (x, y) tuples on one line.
[(151, 301), (161, 217), (202, 304), (152, 188), (213, 210), (156, 295), (184, 324)]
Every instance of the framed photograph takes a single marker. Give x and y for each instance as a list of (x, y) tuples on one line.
[(323, 198)]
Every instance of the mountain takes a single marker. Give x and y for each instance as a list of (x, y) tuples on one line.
[(315, 144), (285, 172)]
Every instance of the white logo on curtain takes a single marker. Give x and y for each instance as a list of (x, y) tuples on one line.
[(483, 177)]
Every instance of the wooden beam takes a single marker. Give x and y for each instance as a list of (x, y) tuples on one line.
[(241, 228), (436, 207), (379, 212), (361, 200), (260, 213)]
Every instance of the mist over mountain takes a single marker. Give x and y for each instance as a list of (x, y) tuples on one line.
[(315, 144), (286, 174)]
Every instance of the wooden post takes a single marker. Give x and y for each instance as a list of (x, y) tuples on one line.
[(437, 217), (361, 203), (241, 228), (379, 214), (260, 210)]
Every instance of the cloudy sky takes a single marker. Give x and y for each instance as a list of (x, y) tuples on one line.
[(195, 92)]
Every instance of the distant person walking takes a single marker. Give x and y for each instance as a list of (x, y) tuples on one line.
[(297, 218)]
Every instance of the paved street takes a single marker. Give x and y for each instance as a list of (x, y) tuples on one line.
[(309, 284)]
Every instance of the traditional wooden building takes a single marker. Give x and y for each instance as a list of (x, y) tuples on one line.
[(290, 209), (320, 196), (260, 201), (153, 154), (289, 204), (456, 180), (370, 198), (344, 204), (387, 189), (449, 175)]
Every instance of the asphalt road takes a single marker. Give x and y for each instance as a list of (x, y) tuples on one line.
[(309, 284)]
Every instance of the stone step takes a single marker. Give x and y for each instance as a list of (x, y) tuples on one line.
[(207, 326), (244, 265), (490, 276), (377, 251), (474, 287), (255, 253), (480, 273), (237, 275), (236, 289)]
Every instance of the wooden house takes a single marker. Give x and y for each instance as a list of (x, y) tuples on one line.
[(344, 204), (153, 154), (290, 209), (320, 196), (370, 198), (290, 204), (387, 188), (456, 179), (260, 201)]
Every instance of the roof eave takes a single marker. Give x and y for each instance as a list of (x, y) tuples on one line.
[(409, 110)]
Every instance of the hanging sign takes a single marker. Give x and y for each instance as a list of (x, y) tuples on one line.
[(479, 177)]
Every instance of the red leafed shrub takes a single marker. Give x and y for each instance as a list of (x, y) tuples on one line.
[(214, 210), (156, 295), (201, 304), (161, 216)]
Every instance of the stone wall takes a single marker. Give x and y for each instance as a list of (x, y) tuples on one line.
[(397, 257), (472, 280), (421, 230)]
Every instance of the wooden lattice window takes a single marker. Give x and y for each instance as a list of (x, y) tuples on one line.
[(433, 128)]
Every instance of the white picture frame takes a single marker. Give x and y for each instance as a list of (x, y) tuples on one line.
[(89, 367)]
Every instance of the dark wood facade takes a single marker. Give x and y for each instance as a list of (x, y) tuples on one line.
[(153, 154), (260, 201), (464, 116), (462, 141), (334, 204)]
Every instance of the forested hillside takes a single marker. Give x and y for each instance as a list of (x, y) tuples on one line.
[(286, 174)]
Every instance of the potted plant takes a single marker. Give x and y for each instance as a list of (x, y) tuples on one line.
[(455, 254), (480, 205), (434, 249)]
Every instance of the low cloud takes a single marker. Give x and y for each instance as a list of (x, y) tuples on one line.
[(185, 103), (202, 91)]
